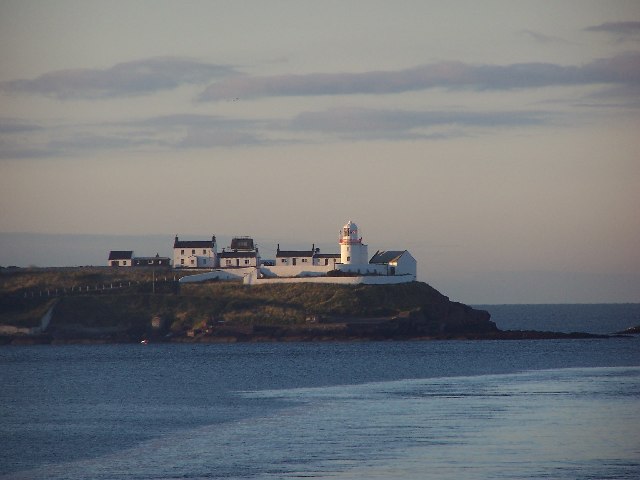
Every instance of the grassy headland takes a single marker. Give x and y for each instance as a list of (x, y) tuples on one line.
[(103, 304)]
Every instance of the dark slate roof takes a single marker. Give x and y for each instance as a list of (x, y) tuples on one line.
[(193, 243), (386, 256), (242, 243), (327, 255), (237, 254), (294, 253), (120, 254)]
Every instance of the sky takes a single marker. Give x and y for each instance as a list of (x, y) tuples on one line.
[(497, 141)]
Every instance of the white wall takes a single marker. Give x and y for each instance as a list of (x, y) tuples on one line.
[(354, 253), (252, 279), (227, 274), (406, 265), (306, 269), (331, 262), (363, 268), (284, 261), (238, 262)]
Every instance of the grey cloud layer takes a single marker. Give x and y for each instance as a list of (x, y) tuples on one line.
[(193, 131), (621, 69), (621, 30), (169, 132), (121, 80), (363, 123)]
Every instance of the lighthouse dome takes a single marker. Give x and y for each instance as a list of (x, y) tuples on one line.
[(349, 233), (351, 226)]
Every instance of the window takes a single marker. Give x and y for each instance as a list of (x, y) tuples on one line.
[(193, 261), (204, 252), (193, 252), (326, 261), (246, 262), (284, 260), (228, 262), (182, 252), (348, 259), (182, 261), (304, 260)]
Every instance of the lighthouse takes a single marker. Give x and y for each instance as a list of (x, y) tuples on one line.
[(352, 250)]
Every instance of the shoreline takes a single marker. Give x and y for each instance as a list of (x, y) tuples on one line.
[(502, 335)]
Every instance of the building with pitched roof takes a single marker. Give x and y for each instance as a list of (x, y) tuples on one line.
[(397, 262), (242, 253), (121, 258), (195, 253)]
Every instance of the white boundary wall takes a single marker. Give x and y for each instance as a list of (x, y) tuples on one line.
[(305, 270), (252, 279), (226, 274)]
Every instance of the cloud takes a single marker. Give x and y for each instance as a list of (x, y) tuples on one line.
[(12, 125), (159, 133), (620, 30), (542, 38), (205, 131), (621, 69), (364, 123), (138, 77)]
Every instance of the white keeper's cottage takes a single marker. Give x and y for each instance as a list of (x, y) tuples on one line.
[(195, 253)]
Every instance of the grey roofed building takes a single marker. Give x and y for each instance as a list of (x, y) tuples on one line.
[(120, 254), (194, 243), (294, 253), (297, 253), (384, 257), (120, 258)]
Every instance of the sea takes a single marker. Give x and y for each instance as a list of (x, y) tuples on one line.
[(486, 409)]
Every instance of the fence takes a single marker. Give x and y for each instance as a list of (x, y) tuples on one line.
[(103, 288)]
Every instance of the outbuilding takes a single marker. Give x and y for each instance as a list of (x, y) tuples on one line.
[(398, 262), (121, 258)]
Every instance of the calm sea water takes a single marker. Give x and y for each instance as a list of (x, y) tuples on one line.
[(562, 409)]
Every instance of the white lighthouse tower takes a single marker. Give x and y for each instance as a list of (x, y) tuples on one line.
[(352, 250)]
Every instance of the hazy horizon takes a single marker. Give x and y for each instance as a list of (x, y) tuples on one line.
[(496, 141)]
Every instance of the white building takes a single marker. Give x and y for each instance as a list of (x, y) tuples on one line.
[(242, 253), (121, 258), (397, 262), (295, 257), (195, 253), (326, 260)]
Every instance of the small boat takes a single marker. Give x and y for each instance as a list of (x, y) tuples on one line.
[(145, 342)]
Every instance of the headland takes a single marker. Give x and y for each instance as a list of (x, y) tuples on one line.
[(107, 305)]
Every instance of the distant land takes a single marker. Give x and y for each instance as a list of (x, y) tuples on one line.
[(105, 305)]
